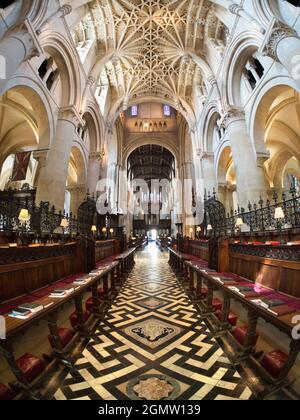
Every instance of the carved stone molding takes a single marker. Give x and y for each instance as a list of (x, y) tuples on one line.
[(70, 113), (96, 156), (60, 13), (262, 158), (276, 33), (41, 156), (27, 36), (232, 115)]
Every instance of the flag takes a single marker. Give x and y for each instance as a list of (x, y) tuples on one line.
[(21, 164)]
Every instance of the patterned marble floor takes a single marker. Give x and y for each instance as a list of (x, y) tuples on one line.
[(153, 346)]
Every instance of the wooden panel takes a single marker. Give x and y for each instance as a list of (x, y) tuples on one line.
[(198, 249), (280, 275), (290, 282), (24, 277), (104, 249)]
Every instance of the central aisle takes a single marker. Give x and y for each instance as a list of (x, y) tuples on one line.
[(152, 345)]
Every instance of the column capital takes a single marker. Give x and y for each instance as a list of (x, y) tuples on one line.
[(276, 32), (70, 113), (208, 156), (262, 158), (91, 81), (77, 188), (41, 156), (231, 115), (96, 156)]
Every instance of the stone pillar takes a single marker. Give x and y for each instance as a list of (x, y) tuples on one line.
[(53, 177), (208, 170), (41, 157), (251, 181), (19, 45), (283, 45), (94, 172), (78, 195)]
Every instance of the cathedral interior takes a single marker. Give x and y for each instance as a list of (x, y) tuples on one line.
[(149, 200)]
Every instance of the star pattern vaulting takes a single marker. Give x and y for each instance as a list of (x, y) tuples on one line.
[(149, 42)]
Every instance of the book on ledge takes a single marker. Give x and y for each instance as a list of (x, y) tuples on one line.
[(271, 303), (81, 282), (225, 281), (32, 307), (275, 310), (63, 292), (20, 313)]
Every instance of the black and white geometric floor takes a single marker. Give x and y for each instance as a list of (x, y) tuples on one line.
[(153, 346)]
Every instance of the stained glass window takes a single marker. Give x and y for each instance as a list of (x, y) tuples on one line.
[(134, 111), (167, 111)]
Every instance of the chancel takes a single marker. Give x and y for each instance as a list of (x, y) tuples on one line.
[(149, 200)]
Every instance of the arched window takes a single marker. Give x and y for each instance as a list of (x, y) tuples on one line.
[(134, 111), (48, 72)]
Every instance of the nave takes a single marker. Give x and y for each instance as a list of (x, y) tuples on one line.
[(152, 345)]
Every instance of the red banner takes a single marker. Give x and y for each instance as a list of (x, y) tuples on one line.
[(21, 166)]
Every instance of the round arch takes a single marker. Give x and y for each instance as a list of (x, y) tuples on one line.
[(63, 54), (266, 95), (244, 46)]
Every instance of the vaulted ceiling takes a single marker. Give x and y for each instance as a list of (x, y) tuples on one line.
[(145, 47)]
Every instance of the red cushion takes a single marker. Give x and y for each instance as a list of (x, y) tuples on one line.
[(31, 366), (6, 394), (274, 362), (13, 304), (232, 318), (89, 304), (240, 333), (65, 335), (74, 318), (217, 304), (46, 291)]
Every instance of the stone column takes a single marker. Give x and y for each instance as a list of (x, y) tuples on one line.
[(19, 45), (208, 170), (94, 171), (41, 157), (251, 181), (282, 43), (78, 195), (53, 177)]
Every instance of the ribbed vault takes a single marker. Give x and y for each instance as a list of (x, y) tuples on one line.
[(147, 48)]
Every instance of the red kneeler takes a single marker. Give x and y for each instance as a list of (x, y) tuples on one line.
[(65, 335), (274, 362), (89, 304), (31, 366), (232, 318), (101, 293), (217, 304), (6, 394), (74, 318), (240, 333)]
